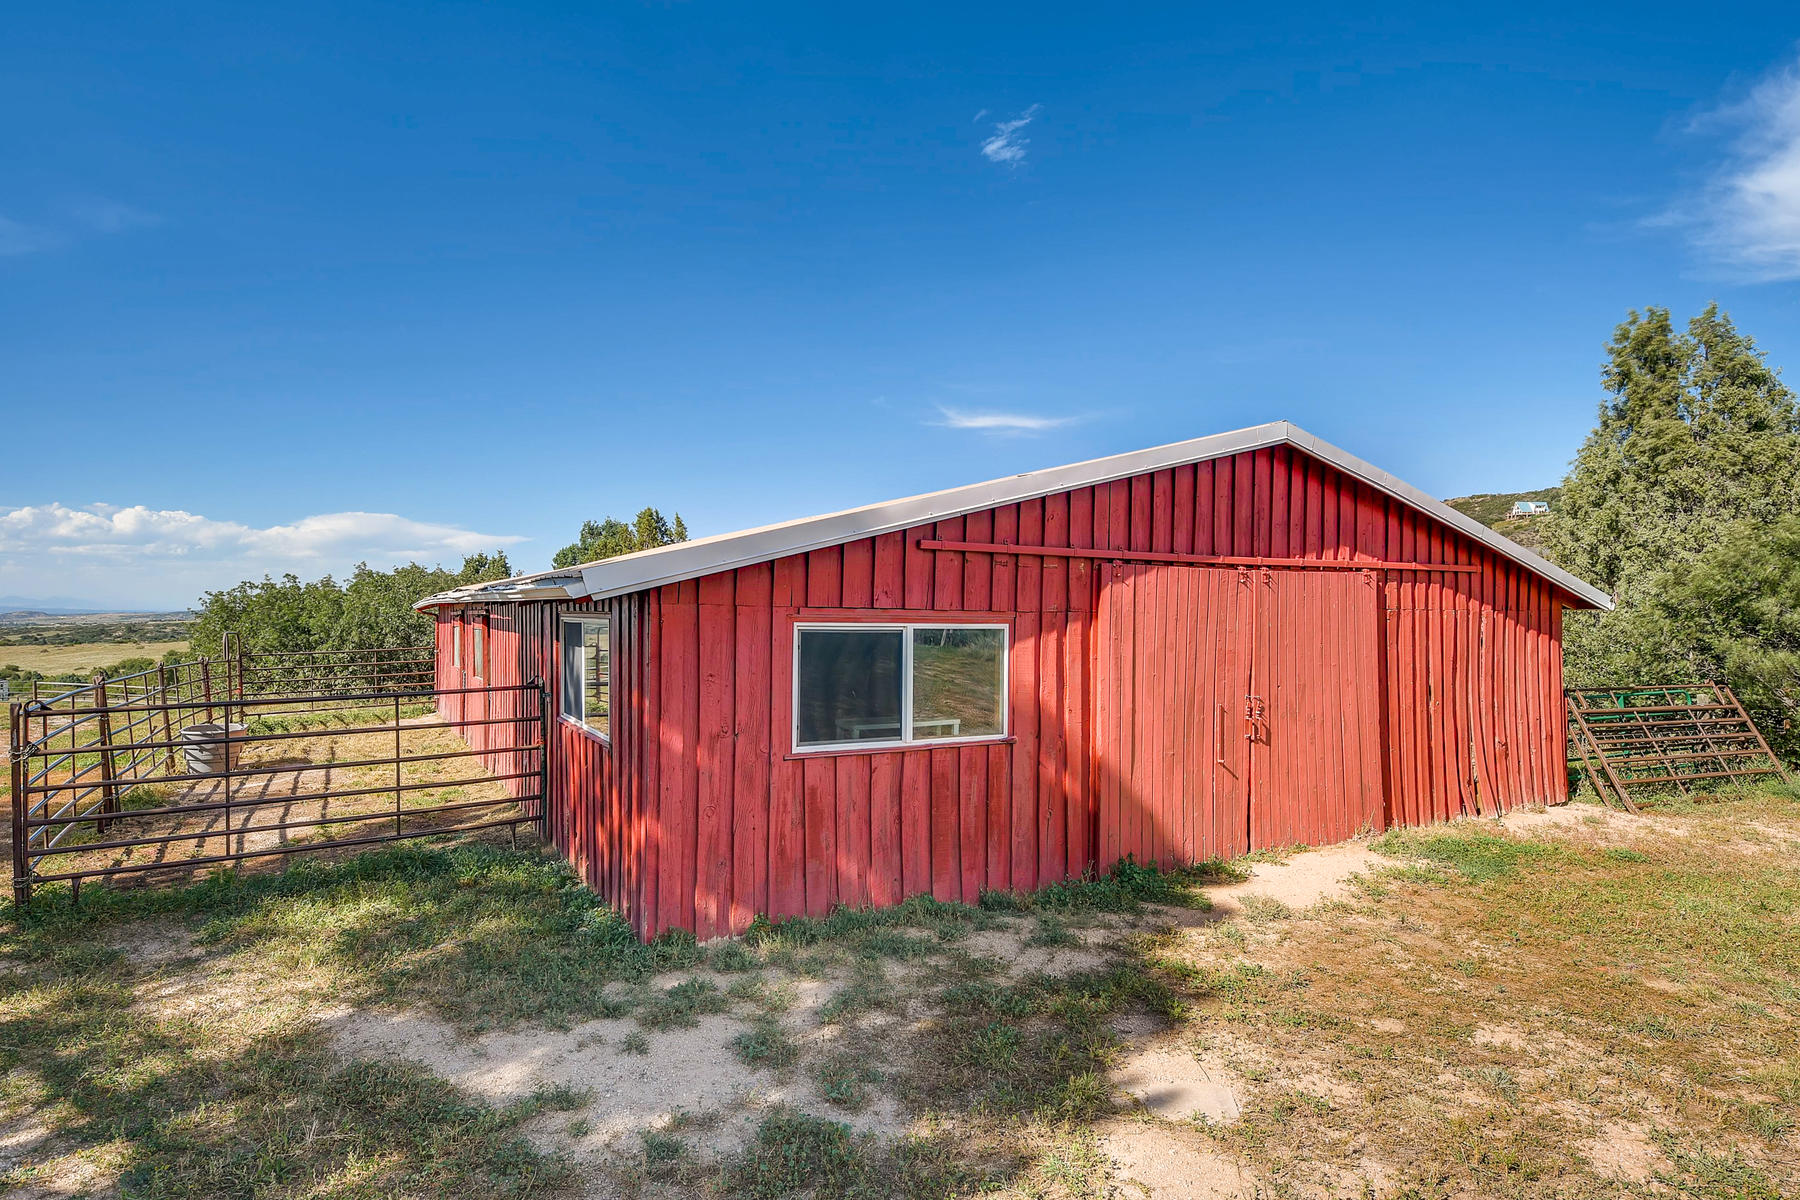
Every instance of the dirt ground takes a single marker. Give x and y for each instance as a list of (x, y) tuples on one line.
[(295, 795), (1216, 1107)]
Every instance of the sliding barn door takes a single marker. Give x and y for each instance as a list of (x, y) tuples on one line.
[(1315, 699), (1170, 684), (1234, 709)]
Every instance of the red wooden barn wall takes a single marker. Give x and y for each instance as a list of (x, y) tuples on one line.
[(474, 715), (589, 818), (705, 817)]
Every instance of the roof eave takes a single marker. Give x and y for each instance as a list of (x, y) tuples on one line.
[(647, 569), (1406, 493), (498, 593)]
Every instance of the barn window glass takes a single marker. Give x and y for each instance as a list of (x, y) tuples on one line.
[(587, 672), (958, 677), (456, 643), (861, 685), (478, 644)]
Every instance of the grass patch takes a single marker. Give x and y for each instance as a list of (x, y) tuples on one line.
[(766, 1044), (1496, 999), (478, 935), (847, 1080), (176, 1110), (795, 1153), (1474, 853), (682, 1005), (661, 1150)]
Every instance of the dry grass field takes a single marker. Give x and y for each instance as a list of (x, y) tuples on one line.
[(82, 657), (1571, 1004)]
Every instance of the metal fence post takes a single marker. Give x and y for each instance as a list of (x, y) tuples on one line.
[(162, 690), (20, 803), (228, 654), (225, 744), (397, 753), (109, 787), (543, 690)]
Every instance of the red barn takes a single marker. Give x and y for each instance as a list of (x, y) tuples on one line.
[(1246, 640)]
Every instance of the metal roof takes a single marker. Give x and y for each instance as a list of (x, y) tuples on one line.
[(722, 552)]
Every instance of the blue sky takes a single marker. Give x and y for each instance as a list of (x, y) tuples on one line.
[(286, 288)]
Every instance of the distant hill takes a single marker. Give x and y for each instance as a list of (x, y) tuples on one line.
[(1491, 509)]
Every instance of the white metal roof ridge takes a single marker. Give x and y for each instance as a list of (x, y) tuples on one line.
[(723, 552)]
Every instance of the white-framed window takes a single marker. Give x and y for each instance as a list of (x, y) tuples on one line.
[(456, 624), (862, 685), (478, 647), (587, 673)]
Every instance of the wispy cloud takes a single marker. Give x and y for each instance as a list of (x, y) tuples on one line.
[(109, 216), (1001, 422), (141, 556), (84, 218), (140, 532), (1007, 146), (1747, 216), (18, 238)]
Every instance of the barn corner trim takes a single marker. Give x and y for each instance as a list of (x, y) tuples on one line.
[(683, 561)]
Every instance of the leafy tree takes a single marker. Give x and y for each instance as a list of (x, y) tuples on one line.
[(1694, 462), (373, 610), (611, 538)]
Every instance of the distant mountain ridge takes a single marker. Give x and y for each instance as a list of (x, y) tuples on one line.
[(1493, 509), (59, 606)]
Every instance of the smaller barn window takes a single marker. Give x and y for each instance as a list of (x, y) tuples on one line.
[(478, 648), (587, 673), (865, 685), (456, 642)]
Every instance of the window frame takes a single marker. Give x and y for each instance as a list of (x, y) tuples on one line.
[(905, 741), (456, 631), (579, 619), (478, 646)]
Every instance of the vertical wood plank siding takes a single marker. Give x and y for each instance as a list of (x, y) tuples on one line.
[(708, 818), (591, 819)]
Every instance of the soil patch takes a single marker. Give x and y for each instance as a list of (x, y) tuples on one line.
[(1158, 1162)]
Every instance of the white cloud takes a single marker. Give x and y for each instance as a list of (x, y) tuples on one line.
[(1006, 146), (84, 218), (1747, 218), (17, 238), (166, 557), (1001, 422), (109, 216)]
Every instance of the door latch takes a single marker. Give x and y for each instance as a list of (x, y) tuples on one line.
[(1253, 715)]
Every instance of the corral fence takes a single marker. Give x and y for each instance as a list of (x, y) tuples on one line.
[(1637, 742), (242, 673), (198, 765), (321, 672)]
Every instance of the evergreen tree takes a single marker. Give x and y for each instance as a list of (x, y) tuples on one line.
[(1692, 465), (1699, 433), (611, 538)]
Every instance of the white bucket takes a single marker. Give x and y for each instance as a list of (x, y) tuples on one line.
[(208, 749)]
